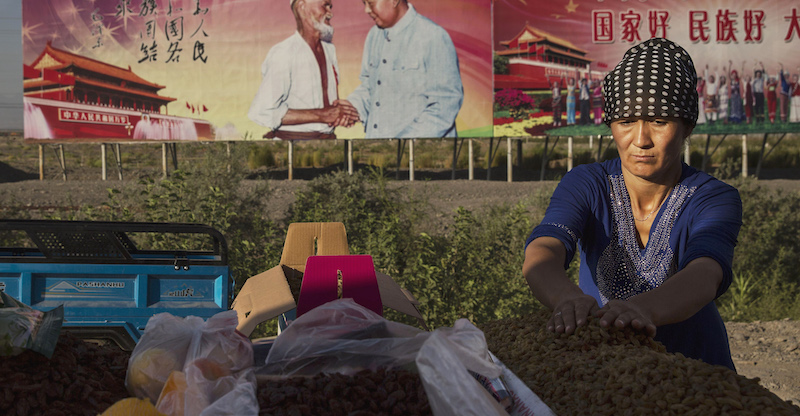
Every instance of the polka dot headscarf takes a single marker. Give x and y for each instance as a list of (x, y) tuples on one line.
[(655, 78)]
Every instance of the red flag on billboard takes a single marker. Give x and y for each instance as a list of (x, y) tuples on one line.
[(205, 108), (30, 72)]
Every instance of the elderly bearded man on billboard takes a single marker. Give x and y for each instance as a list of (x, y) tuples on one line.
[(299, 87), (410, 81)]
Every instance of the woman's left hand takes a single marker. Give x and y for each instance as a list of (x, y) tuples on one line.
[(623, 313)]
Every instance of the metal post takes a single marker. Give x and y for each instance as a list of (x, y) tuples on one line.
[(519, 152), (687, 152), (569, 154), (509, 165), (705, 153), (471, 165), (544, 157), (761, 156), (591, 144), (291, 161), (744, 155), (349, 144), (411, 160), (103, 161), (599, 148), (118, 159), (164, 159), (489, 159), (455, 158), (174, 148), (62, 161), (399, 158), (228, 154), (41, 162)]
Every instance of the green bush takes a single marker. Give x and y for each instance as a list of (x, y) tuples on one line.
[(259, 156), (204, 193), (766, 283)]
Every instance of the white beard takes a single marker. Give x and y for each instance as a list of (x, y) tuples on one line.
[(325, 31)]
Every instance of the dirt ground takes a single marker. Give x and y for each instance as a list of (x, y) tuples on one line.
[(767, 350)]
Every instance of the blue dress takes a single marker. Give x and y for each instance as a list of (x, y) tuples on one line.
[(700, 218)]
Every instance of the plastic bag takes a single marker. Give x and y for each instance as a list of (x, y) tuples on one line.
[(344, 337), (188, 366), (24, 328)]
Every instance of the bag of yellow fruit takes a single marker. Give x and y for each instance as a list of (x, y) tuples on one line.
[(188, 366)]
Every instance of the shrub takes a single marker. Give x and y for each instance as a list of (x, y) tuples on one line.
[(515, 101), (259, 156), (767, 256)]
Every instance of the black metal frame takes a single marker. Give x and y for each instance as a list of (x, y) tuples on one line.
[(107, 242)]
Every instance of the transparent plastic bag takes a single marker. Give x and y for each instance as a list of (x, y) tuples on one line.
[(344, 337), (24, 328), (188, 366)]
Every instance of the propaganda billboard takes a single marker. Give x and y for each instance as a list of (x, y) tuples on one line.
[(551, 56), (190, 70)]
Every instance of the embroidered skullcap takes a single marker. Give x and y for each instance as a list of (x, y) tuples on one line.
[(655, 78)]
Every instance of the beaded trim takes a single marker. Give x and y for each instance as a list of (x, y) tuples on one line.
[(624, 270), (569, 231)]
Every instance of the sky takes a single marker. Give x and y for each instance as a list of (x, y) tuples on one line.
[(11, 64)]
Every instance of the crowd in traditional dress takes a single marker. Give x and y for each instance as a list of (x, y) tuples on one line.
[(586, 98), (725, 98)]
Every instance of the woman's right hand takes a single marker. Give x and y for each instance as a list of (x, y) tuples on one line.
[(571, 313)]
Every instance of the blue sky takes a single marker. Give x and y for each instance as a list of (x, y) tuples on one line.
[(11, 64)]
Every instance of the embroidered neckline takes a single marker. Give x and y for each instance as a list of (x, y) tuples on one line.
[(625, 270)]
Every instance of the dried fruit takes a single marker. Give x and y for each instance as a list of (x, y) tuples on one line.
[(386, 391), (615, 371), (81, 378)]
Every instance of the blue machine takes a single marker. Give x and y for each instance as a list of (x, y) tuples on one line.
[(109, 286)]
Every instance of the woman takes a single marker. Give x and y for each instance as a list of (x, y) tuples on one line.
[(571, 102), (737, 110), (656, 236), (748, 97), (556, 103), (724, 95), (771, 93), (794, 93)]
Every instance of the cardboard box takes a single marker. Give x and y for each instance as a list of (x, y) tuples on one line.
[(275, 291)]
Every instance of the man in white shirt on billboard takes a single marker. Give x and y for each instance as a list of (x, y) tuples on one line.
[(300, 77)]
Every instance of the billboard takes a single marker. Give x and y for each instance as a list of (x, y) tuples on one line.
[(191, 69), (173, 70), (744, 51)]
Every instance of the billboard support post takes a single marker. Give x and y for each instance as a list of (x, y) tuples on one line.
[(471, 166), (411, 160), (41, 162), (118, 158), (687, 152), (62, 161), (164, 159), (349, 146), (569, 153), (104, 173), (401, 144), (744, 155), (291, 160), (509, 164)]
